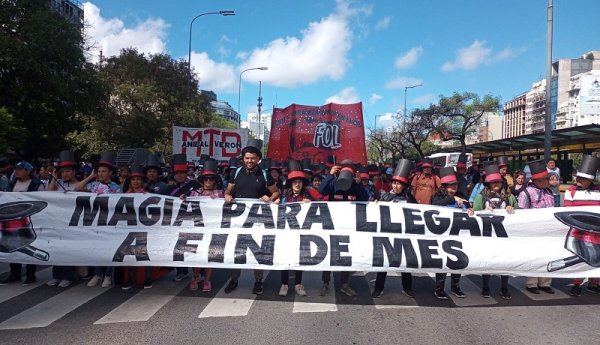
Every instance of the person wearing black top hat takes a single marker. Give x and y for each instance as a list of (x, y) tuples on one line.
[(425, 184), (449, 196), (153, 172), (250, 181), (63, 276), (494, 196), (398, 194), (183, 187), (538, 195), (584, 193), (340, 185)]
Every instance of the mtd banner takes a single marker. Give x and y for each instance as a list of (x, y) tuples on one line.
[(220, 144), (301, 131), (144, 229)]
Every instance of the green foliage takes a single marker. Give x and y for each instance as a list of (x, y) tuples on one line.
[(148, 95), (12, 133), (45, 82), (220, 122)]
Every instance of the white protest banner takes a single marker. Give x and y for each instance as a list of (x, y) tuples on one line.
[(220, 144), (152, 230)]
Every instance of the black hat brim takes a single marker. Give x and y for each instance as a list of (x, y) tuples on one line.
[(20, 209), (581, 220)]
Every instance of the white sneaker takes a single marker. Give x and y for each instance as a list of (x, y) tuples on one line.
[(64, 283), (299, 288), (283, 291), (94, 281), (53, 282), (107, 282)]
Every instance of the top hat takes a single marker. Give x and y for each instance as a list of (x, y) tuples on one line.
[(306, 165), (462, 161), (20, 209), (154, 161), (67, 159), (180, 162), (502, 161), (253, 146), (492, 174), (426, 163), (211, 167), (538, 170), (448, 175), (402, 172), (588, 167), (234, 162), (364, 173), (295, 170), (137, 170), (346, 176), (203, 158), (108, 159), (266, 163), (372, 168), (582, 220), (331, 161)]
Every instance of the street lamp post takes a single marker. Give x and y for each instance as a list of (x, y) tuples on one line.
[(264, 68), (376, 116), (404, 113), (222, 13)]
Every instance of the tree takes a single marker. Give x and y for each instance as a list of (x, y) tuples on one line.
[(45, 82), (419, 128), (460, 115), (148, 95), (12, 133)]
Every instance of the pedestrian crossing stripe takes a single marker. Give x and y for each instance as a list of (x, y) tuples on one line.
[(145, 304)]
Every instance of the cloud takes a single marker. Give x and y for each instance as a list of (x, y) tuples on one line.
[(375, 98), (345, 96), (401, 82), (383, 24), (408, 59), (425, 99), (214, 75), (111, 35), (386, 121), (478, 53)]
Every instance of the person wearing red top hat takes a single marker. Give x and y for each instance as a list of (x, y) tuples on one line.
[(425, 184), (153, 171), (584, 193), (538, 195), (449, 196), (398, 194), (295, 191), (209, 180), (495, 196), (464, 180), (366, 183)]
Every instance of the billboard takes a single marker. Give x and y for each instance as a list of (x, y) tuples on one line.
[(589, 95), (220, 144)]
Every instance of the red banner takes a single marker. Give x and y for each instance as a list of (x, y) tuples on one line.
[(301, 131)]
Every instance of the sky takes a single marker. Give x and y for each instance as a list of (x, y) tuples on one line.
[(348, 51)]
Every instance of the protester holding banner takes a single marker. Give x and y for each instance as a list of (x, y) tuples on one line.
[(398, 194), (208, 179), (183, 186), (538, 195), (520, 184), (250, 181), (103, 184), (295, 192), (23, 182), (449, 196), (63, 276), (584, 193), (153, 173), (341, 186), (425, 184), (495, 196)]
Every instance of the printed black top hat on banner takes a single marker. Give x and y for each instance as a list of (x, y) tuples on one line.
[(588, 167), (402, 172), (108, 159), (462, 161), (180, 162), (137, 170), (17, 231), (538, 170), (492, 174), (154, 161), (254, 146), (67, 159), (448, 175), (502, 161), (210, 167), (583, 239)]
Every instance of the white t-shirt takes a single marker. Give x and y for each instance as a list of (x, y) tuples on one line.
[(22, 186)]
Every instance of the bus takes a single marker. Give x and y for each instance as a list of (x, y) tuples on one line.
[(450, 159)]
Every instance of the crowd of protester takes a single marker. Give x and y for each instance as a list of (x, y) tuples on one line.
[(485, 186)]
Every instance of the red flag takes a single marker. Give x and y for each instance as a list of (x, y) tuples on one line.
[(301, 131)]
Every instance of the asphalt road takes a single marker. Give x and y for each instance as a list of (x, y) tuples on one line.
[(171, 314)]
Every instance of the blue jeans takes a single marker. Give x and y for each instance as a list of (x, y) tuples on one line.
[(103, 271), (556, 200)]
